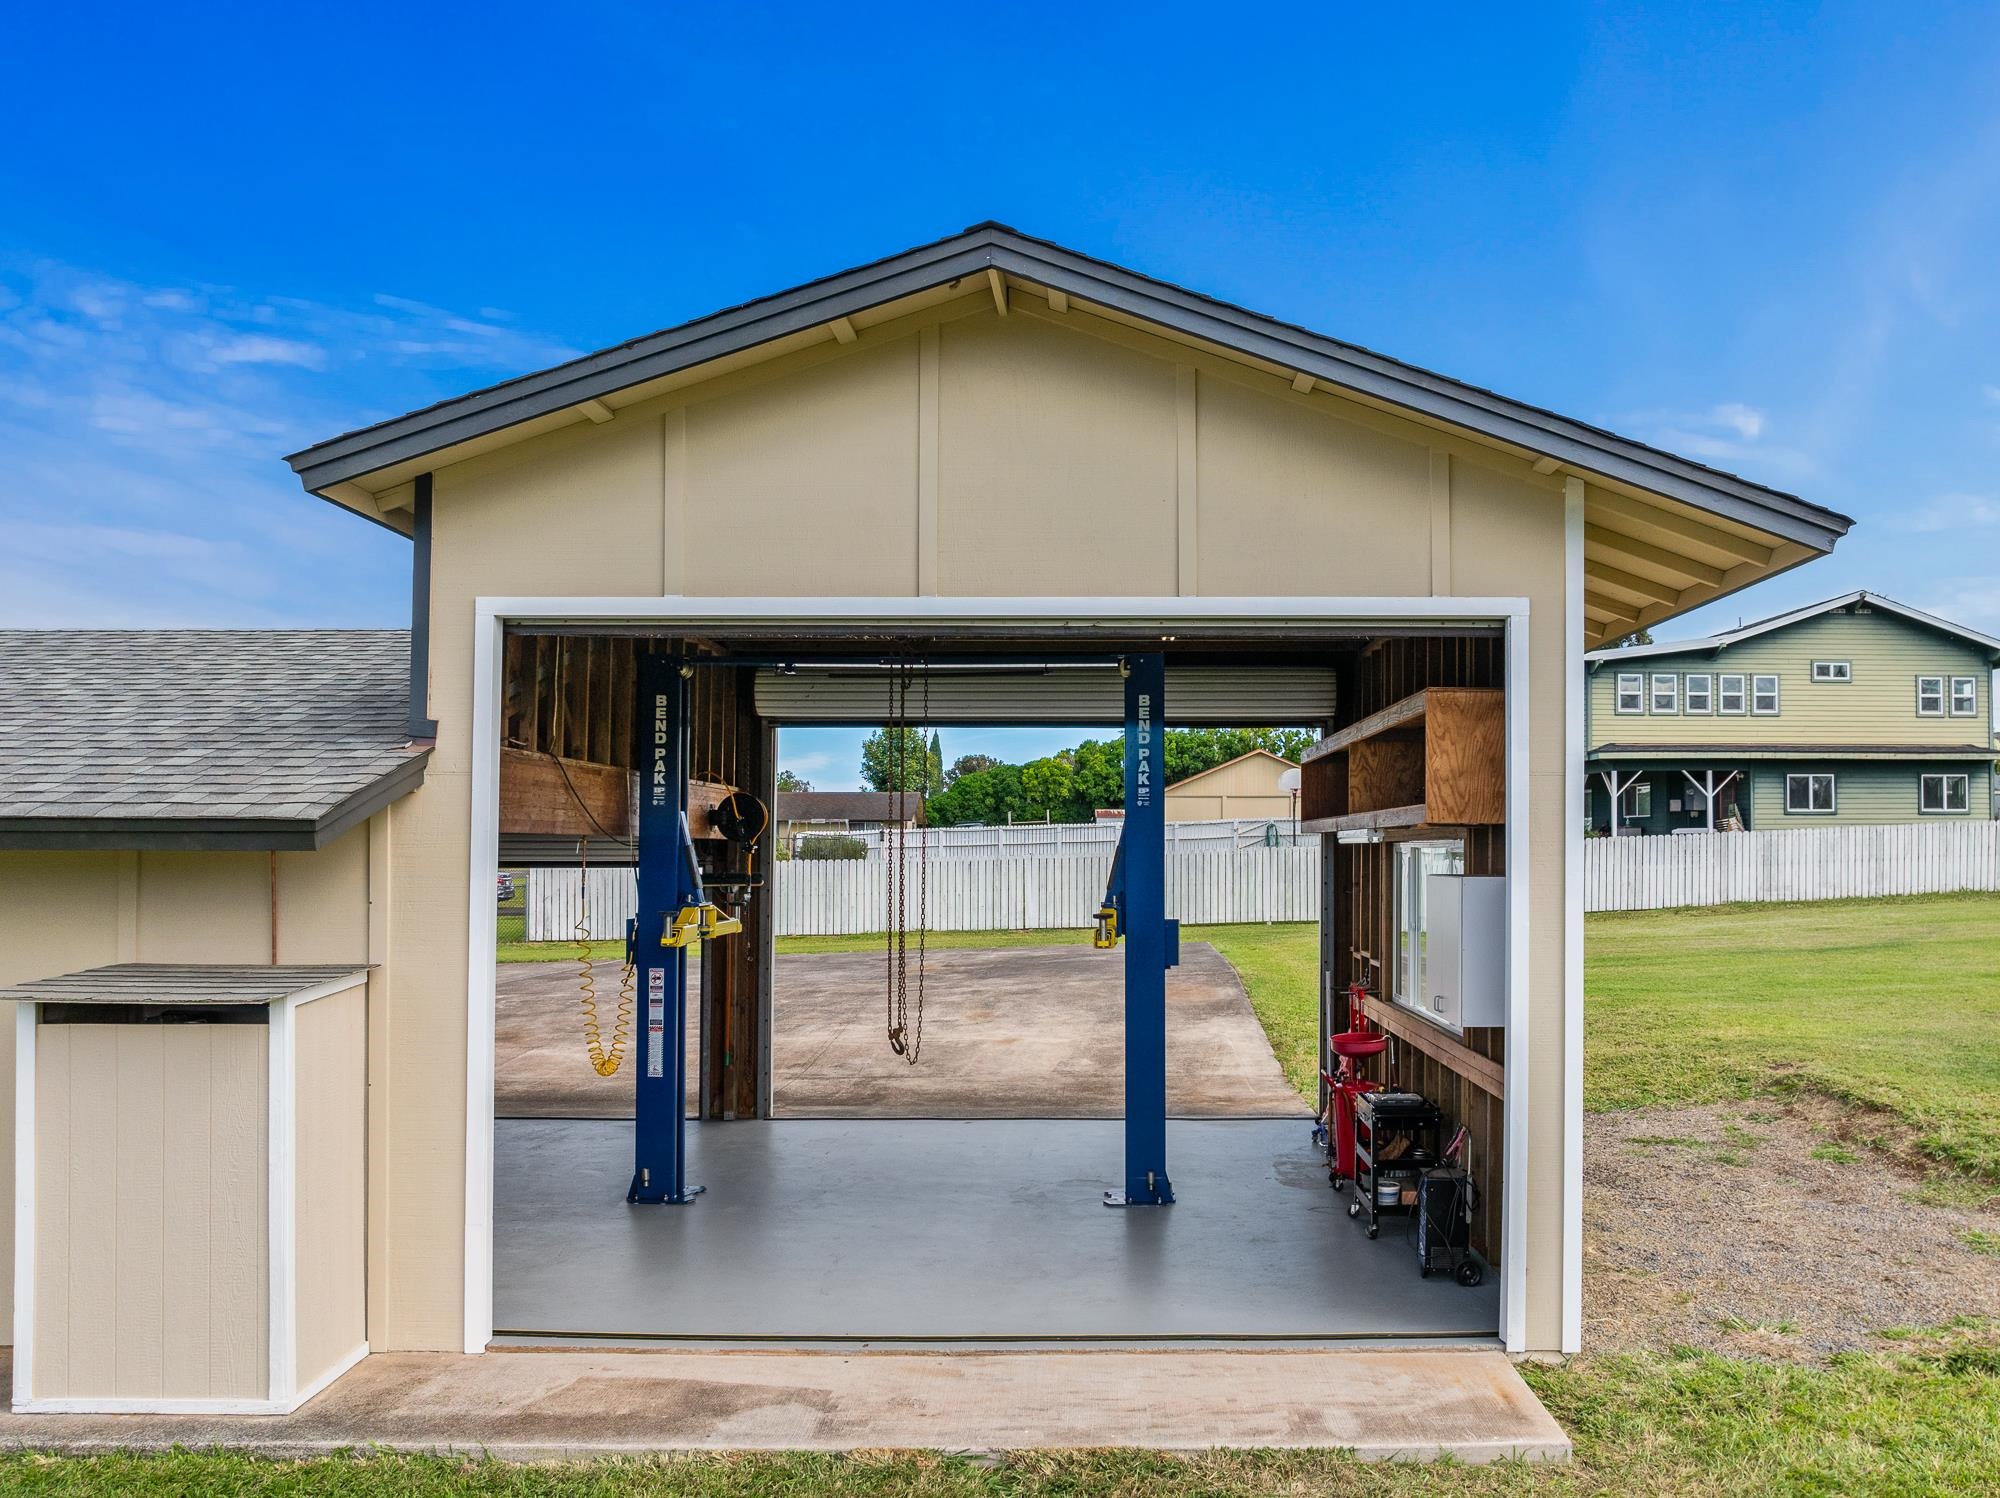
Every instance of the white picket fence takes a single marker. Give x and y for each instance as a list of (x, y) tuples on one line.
[(1074, 839), (839, 897), (1806, 863)]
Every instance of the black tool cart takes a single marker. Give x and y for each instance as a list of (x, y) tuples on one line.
[(1395, 1142)]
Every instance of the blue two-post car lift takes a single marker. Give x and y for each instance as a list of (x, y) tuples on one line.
[(674, 910)]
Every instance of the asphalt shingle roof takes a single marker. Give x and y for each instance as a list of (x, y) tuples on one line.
[(278, 728)]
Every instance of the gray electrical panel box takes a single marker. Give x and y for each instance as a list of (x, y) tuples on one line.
[(1464, 940)]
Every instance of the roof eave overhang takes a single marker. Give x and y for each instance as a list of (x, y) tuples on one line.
[(213, 834), (344, 460)]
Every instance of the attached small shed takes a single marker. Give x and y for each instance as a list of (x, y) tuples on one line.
[(194, 834)]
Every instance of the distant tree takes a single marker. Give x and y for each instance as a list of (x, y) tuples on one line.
[(1637, 637), (986, 797), (790, 781), (921, 770), (968, 764), (1049, 787)]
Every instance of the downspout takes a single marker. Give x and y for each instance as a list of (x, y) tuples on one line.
[(421, 725)]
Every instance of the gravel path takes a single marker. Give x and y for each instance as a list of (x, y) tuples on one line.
[(1717, 1227)]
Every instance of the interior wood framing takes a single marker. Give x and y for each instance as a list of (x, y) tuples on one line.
[(1462, 1075)]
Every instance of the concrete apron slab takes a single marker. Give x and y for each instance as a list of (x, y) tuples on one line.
[(530, 1405)]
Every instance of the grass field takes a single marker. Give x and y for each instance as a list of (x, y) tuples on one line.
[(1917, 1420), (1892, 1004)]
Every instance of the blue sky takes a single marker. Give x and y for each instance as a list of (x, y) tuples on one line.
[(1762, 236)]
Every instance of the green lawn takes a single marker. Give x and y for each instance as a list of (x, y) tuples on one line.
[(1893, 1004), (1916, 1420)]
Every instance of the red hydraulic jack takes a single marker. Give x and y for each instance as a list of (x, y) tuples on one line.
[(1344, 1086)]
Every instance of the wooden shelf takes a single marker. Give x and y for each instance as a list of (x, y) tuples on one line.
[(1355, 821), (1438, 757), (1450, 1052)]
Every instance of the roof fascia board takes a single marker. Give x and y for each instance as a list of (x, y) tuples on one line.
[(1436, 396), (1374, 376), (1712, 643)]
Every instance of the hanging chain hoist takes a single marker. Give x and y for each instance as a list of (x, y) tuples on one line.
[(903, 1040)]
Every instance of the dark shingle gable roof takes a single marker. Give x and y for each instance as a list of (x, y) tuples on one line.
[(995, 247), (200, 738)]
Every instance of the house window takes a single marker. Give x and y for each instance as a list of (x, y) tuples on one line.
[(1964, 696), (1812, 794), (1635, 803), (1930, 696), (1631, 692), (1666, 693), (1415, 864), (1731, 688), (1832, 671), (1698, 696), (1944, 793), (1763, 694)]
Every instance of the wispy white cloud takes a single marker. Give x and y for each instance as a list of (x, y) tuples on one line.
[(143, 428), (1972, 601), (1955, 512), (1726, 434)]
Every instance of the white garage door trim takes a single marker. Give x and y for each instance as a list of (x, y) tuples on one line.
[(1080, 617)]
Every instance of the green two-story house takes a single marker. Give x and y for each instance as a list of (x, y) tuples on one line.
[(1859, 709)]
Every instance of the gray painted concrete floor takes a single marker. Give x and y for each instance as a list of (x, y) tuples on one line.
[(1415, 1403), (950, 1230), (1025, 1032)]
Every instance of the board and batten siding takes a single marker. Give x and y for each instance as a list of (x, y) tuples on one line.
[(151, 1238), (1879, 706), (64, 911), (955, 453), (331, 1203)]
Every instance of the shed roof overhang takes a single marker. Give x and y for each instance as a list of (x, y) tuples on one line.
[(215, 833), (1663, 533)]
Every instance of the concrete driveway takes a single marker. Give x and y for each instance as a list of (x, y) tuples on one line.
[(1026, 1032)]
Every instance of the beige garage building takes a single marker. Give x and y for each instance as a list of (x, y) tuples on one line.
[(992, 445), (1248, 787)]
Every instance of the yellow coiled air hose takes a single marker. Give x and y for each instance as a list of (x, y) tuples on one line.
[(605, 1060)]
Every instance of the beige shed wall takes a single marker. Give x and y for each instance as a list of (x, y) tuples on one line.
[(331, 1037), (150, 1212), (1042, 455), (1507, 537), (60, 912)]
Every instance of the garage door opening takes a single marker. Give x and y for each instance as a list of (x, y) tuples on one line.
[(851, 1196)]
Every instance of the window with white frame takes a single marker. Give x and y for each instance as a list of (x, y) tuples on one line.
[(1964, 696), (1730, 689), (1666, 693), (1631, 692), (1832, 671), (1809, 794), (1764, 694), (1930, 696), (1941, 794), (1698, 694), (1635, 802), (1415, 864)]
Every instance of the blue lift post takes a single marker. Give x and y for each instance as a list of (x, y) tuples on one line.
[(1138, 902), (669, 882)]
